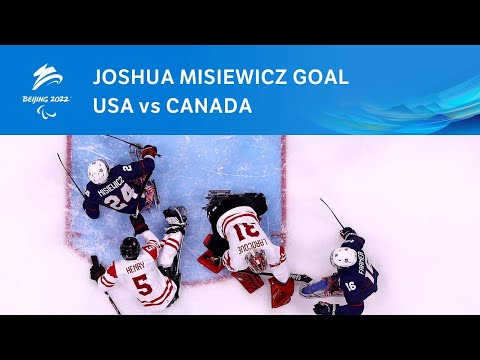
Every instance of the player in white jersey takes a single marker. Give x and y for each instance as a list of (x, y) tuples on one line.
[(249, 246), (147, 271), (241, 243)]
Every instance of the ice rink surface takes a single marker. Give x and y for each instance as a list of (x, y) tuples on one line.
[(188, 168), (413, 198)]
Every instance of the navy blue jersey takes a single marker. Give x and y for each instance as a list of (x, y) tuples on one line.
[(119, 193), (357, 282)]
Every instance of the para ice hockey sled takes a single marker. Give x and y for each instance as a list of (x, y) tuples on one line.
[(326, 287), (150, 191)]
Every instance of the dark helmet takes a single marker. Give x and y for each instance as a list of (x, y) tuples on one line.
[(130, 248)]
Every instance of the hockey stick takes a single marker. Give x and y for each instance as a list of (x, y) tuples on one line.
[(178, 274), (129, 143), (97, 264), (343, 227), (296, 277), (61, 162), (157, 199)]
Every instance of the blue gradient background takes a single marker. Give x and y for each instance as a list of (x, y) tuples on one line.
[(381, 77)]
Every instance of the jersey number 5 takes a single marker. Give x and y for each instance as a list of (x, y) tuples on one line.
[(143, 288), (127, 193)]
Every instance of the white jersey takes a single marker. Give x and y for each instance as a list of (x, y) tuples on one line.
[(142, 275), (241, 227)]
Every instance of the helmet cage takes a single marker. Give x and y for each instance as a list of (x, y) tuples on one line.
[(256, 260)]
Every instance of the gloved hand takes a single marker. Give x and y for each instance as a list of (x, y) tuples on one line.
[(323, 308), (138, 224), (281, 293), (149, 150), (96, 272), (347, 231)]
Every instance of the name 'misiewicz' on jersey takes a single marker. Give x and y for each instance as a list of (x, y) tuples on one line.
[(358, 281), (241, 227), (119, 192), (142, 276)]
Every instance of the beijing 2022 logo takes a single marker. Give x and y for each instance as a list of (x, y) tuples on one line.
[(46, 76)]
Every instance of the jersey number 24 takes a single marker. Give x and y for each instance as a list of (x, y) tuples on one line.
[(128, 194)]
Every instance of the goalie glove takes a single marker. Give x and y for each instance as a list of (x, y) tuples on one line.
[(150, 151), (323, 308), (281, 293), (96, 272), (260, 202), (138, 224)]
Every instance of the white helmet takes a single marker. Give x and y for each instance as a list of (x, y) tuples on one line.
[(98, 171), (343, 257)]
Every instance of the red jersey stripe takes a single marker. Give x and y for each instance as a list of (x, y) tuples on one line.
[(106, 283), (226, 222)]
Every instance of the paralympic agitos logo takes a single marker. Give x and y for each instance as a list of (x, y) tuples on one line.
[(46, 76)]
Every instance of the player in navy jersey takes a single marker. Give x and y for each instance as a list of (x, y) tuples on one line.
[(356, 278), (117, 188)]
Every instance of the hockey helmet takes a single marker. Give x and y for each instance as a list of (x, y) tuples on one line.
[(343, 257), (130, 248), (256, 260), (98, 171)]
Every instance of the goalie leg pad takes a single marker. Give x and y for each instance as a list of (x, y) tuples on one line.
[(259, 201), (250, 282), (281, 293)]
